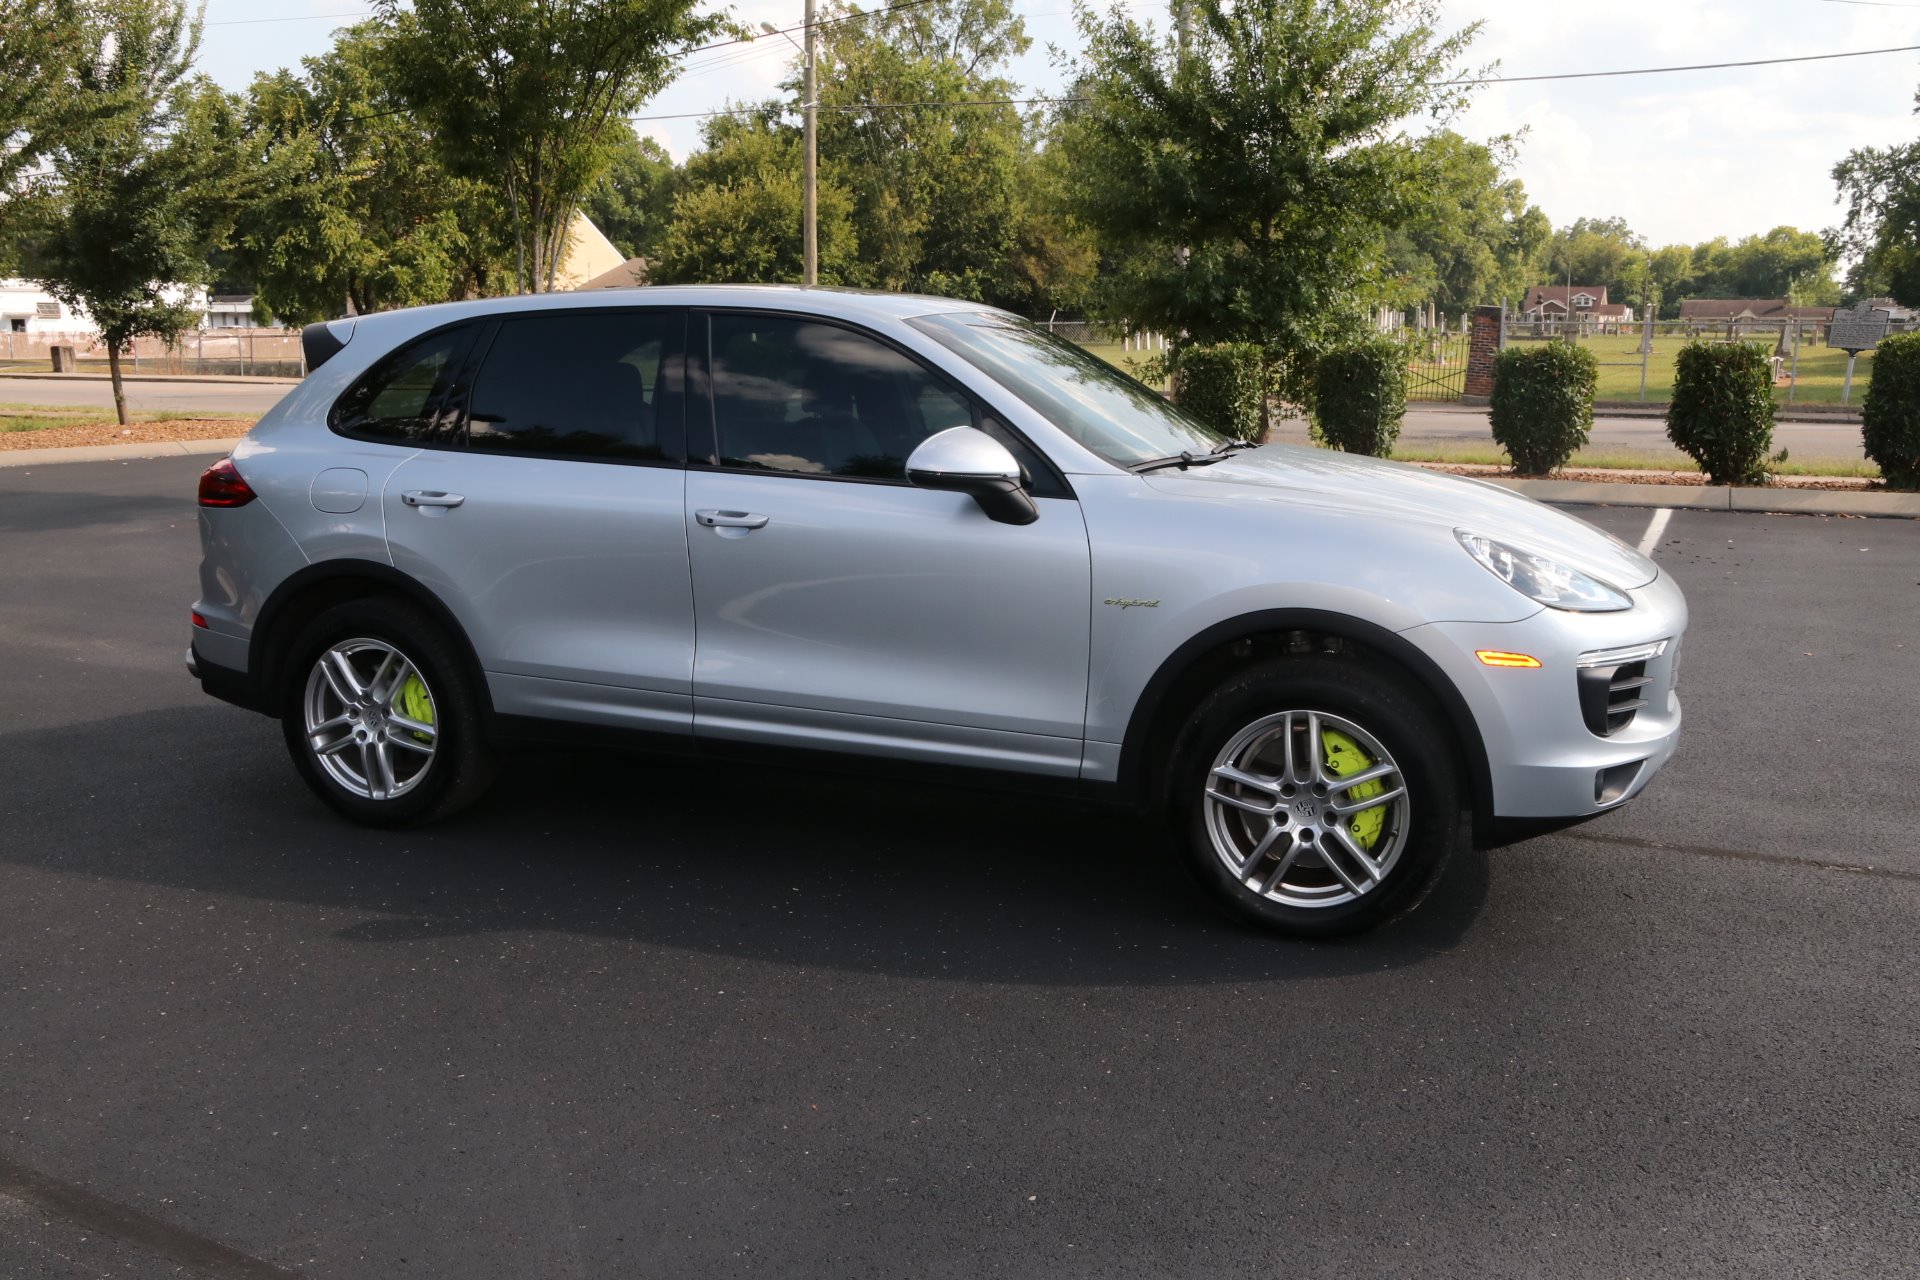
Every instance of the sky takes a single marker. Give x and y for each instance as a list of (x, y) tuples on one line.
[(1682, 157)]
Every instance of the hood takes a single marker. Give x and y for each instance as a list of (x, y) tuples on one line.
[(1356, 485)]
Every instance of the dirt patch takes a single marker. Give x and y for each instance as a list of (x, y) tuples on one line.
[(1688, 479), (137, 433)]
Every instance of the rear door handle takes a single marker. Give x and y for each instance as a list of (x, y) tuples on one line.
[(431, 498), (730, 519)]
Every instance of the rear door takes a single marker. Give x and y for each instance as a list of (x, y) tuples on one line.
[(550, 517)]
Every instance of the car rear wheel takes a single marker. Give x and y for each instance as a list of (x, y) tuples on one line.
[(1315, 797), (380, 717)]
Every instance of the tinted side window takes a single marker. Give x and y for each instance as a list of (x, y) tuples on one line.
[(815, 399), (593, 385), (407, 397)]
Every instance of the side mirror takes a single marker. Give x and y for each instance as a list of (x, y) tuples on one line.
[(966, 460)]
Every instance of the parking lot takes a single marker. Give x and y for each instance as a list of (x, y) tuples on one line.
[(640, 1018)]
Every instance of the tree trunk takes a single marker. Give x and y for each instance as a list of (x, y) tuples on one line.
[(519, 237), (119, 391), (1266, 394)]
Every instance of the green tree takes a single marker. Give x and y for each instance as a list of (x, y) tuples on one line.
[(41, 43), (368, 218), (1243, 189), (935, 187), (1472, 237), (530, 94), (149, 188), (1601, 251), (633, 200), (1879, 239), (737, 217)]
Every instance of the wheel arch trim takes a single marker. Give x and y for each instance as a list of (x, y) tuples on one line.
[(1138, 747), (266, 646)]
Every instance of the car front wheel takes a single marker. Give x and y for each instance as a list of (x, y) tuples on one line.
[(1315, 797), (380, 719)]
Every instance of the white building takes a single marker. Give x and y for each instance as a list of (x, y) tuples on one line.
[(27, 308)]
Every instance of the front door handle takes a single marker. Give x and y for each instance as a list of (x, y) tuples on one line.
[(730, 519), (431, 498)]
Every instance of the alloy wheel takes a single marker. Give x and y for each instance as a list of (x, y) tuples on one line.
[(1307, 809), (370, 719)]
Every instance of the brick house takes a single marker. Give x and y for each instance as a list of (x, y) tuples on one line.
[(1741, 310)]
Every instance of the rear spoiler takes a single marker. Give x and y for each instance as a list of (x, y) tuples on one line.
[(320, 342)]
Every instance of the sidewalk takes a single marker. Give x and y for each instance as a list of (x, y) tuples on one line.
[(1779, 501), (193, 378), (1835, 414)]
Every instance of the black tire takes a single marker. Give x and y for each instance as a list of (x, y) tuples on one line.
[(1422, 836), (460, 766)]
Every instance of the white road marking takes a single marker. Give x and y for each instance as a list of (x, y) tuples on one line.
[(1655, 527)]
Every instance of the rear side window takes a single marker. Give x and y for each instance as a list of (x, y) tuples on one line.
[(588, 385), (808, 398), (408, 397)]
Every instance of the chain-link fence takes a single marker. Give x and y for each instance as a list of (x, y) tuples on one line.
[(265, 353)]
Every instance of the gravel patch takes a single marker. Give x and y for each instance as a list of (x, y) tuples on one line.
[(136, 433)]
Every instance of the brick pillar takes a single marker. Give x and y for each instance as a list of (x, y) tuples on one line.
[(1483, 342)]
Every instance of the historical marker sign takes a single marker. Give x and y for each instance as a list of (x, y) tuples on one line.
[(1858, 330)]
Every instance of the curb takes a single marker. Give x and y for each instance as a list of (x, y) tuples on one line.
[(114, 452), (194, 378), (1821, 502), (1824, 502)]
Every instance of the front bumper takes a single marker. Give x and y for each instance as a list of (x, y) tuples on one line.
[(1543, 760)]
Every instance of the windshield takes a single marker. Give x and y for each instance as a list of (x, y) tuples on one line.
[(1113, 415)]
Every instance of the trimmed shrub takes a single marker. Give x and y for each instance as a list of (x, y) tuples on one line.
[(1890, 419), (1542, 407), (1220, 385), (1360, 396), (1722, 410)]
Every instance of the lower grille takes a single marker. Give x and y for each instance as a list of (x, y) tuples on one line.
[(1611, 696)]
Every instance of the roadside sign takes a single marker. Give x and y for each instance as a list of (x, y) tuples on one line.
[(1858, 330)]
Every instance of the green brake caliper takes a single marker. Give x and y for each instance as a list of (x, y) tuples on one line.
[(1344, 759), (412, 701)]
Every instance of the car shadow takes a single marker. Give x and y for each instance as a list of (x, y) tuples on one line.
[(773, 864)]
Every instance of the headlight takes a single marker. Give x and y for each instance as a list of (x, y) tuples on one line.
[(1539, 578)]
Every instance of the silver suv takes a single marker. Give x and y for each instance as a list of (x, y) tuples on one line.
[(745, 519)]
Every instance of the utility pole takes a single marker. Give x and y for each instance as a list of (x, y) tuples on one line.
[(810, 219)]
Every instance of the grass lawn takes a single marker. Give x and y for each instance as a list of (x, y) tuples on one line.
[(1823, 370), (30, 417)]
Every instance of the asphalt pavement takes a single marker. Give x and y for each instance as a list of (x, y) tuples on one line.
[(641, 1018)]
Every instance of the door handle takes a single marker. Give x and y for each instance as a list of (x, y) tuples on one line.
[(730, 519), (431, 498)]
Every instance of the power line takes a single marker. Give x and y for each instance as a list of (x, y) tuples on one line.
[(1877, 4), (1563, 75), (1698, 66)]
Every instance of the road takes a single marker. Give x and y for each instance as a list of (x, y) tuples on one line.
[(215, 399), (1424, 424), (641, 1018)]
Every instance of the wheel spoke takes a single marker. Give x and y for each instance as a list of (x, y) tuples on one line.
[(1333, 865), (1361, 779), (1227, 773), (1316, 770), (335, 723), (377, 688), (1371, 802), (411, 725), (383, 761), (1359, 855), (335, 747), (1281, 868), (1274, 832), (367, 777), (409, 743), (340, 674)]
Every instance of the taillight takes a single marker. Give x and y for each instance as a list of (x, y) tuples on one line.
[(221, 485)]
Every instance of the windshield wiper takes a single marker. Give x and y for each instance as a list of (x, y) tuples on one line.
[(1187, 458)]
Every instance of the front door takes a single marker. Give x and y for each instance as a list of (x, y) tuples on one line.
[(836, 604), (553, 526)]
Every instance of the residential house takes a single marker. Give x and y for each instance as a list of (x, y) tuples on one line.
[(1575, 302), (26, 308)]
